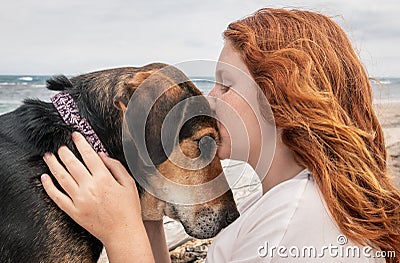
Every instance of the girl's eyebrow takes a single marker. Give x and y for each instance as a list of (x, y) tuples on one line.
[(218, 73), (222, 68), (221, 71)]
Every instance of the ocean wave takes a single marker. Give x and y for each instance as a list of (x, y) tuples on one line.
[(26, 78), (22, 84)]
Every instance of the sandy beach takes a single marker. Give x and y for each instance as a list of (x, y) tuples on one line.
[(389, 116), (191, 250)]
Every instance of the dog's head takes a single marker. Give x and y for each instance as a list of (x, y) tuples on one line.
[(186, 156), (105, 98)]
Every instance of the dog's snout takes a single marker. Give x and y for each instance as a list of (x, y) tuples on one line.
[(231, 215)]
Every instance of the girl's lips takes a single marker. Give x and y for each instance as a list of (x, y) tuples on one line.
[(218, 123)]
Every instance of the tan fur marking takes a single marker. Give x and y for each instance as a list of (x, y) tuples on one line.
[(205, 131), (140, 77), (190, 177), (152, 207)]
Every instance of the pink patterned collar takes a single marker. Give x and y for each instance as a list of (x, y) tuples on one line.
[(66, 107)]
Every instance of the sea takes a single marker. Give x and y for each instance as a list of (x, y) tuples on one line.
[(15, 88)]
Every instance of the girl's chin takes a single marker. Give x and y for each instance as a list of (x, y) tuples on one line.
[(223, 153)]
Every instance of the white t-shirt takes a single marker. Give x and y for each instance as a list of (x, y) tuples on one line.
[(289, 223)]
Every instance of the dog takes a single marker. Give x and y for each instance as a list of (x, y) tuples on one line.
[(33, 228)]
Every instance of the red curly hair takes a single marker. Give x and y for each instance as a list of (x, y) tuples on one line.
[(321, 99)]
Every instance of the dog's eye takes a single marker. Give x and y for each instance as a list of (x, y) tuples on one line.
[(207, 146)]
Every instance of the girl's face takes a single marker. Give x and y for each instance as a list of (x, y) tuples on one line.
[(234, 99)]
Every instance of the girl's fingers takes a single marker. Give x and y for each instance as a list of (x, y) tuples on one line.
[(62, 200), (76, 169), (117, 169), (62, 176), (89, 156)]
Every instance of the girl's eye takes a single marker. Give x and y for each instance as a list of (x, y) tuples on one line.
[(224, 88)]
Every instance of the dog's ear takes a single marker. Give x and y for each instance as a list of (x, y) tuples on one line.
[(59, 83), (126, 89)]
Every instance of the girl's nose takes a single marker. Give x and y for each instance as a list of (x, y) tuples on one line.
[(212, 98)]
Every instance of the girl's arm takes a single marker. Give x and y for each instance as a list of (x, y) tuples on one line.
[(156, 234)]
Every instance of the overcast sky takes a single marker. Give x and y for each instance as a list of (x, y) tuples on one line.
[(77, 36)]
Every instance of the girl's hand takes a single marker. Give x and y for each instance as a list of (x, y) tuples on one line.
[(103, 199)]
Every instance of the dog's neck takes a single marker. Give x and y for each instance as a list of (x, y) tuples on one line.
[(38, 128), (68, 110)]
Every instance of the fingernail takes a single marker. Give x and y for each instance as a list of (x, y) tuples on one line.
[(43, 178), (46, 156), (75, 135)]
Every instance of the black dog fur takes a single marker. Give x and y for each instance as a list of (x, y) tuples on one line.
[(33, 228)]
